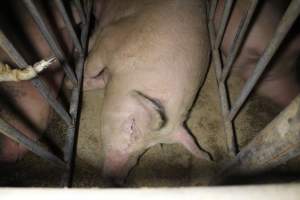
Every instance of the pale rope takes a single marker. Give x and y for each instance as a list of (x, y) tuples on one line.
[(8, 74)]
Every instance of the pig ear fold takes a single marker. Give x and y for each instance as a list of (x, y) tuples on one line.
[(154, 108), (182, 136)]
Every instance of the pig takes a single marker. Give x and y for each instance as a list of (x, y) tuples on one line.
[(151, 56), (21, 105), (280, 82)]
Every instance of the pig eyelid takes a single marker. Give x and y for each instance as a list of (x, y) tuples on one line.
[(158, 107)]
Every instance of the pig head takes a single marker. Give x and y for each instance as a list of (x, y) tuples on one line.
[(151, 77)]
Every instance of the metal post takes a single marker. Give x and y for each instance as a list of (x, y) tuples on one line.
[(275, 144), (224, 21), (69, 148), (285, 25), (50, 38), (18, 137), (238, 40), (37, 82)]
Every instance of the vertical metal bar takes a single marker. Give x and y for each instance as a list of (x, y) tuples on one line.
[(61, 8), (212, 10), (37, 82), (239, 38), (37, 149), (275, 144), (69, 148), (224, 21), (228, 126), (80, 10), (285, 25), (49, 36)]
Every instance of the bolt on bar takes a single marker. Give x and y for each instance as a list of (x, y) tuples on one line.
[(232, 147), (37, 149), (61, 8), (239, 38), (285, 25), (50, 38), (69, 148), (37, 82), (224, 21)]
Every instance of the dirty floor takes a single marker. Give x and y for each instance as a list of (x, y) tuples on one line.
[(162, 165)]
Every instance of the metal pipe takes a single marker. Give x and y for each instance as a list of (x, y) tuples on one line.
[(50, 38), (61, 8), (36, 82), (285, 25), (37, 149), (238, 40), (224, 21), (275, 144), (232, 147), (69, 148)]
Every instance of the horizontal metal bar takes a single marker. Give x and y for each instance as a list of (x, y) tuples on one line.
[(69, 148), (275, 144), (232, 147), (37, 149), (50, 38), (36, 82), (239, 38), (224, 21), (61, 8), (285, 25)]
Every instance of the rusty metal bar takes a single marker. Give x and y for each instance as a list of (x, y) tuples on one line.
[(36, 148), (72, 33), (285, 25), (275, 144), (37, 82), (69, 149), (238, 40), (228, 126), (50, 38), (224, 21)]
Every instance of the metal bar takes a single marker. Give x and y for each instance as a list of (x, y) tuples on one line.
[(224, 21), (275, 144), (37, 149), (285, 25), (228, 126), (239, 38), (61, 8), (80, 10), (50, 38), (36, 82), (69, 148), (212, 10)]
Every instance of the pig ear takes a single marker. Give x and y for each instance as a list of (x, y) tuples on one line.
[(154, 107), (182, 136)]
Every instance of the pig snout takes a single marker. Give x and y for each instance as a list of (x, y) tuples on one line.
[(116, 167)]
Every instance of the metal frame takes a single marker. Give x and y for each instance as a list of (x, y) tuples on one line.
[(69, 116), (222, 72)]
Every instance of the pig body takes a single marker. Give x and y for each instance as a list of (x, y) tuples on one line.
[(152, 57), (280, 82)]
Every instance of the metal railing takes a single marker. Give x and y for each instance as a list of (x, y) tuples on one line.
[(69, 116), (224, 64)]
